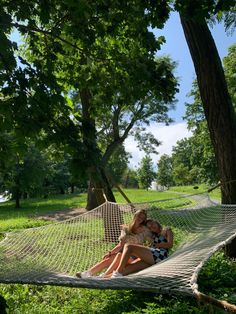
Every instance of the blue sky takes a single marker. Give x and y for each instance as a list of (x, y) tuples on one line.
[(176, 47)]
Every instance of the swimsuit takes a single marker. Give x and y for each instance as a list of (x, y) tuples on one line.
[(159, 254)]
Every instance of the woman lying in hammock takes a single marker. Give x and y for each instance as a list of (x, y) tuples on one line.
[(136, 232), (146, 256)]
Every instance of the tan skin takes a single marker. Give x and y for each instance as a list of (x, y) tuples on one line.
[(143, 253), (109, 257)]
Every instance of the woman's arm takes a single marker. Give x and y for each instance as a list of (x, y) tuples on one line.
[(115, 250), (169, 238)]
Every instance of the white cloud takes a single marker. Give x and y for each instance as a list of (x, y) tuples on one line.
[(168, 135)]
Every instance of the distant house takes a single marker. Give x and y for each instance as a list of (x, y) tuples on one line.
[(157, 187), (153, 186)]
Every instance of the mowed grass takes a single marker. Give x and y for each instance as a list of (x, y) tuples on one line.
[(139, 195), (27, 216), (215, 194), (32, 299)]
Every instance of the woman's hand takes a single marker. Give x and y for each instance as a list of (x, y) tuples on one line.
[(169, 238), (107, 255)]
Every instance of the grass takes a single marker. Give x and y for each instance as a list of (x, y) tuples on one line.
[(30, 299), (215, 194), (26, 216), (218, 277), (36, 206), (138, 195)]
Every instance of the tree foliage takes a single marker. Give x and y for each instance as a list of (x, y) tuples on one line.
[(164, 171), (193, 159), (103, 52), (229, 63), (88, 69), (145, 172)]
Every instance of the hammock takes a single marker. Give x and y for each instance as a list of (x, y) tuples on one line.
[(52, 254)]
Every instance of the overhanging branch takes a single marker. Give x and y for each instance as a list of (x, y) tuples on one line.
[(46, 32)]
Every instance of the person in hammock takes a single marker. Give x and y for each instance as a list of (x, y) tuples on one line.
[(146, 256), (136, 232)]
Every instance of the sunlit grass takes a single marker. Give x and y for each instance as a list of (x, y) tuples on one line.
[(215, 194), (29, 299), (41, 205), (27, 216), (139, 195)]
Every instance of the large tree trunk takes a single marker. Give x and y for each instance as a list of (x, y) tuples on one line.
[(16, 189), (17, 198), (217, 105), (98, 182), (98, 186)]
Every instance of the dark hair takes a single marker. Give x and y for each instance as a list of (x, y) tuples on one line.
[(155, 221)]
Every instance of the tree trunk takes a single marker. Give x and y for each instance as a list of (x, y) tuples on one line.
[(16, 190), (217, 104), (17, 198), (98, 182), (98, 186), (62, 190), (25, 195), (126, 180)]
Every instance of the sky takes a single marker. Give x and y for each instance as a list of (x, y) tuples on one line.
[(176, 47)]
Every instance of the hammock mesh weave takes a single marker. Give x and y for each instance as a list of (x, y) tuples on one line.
[(54, 253)]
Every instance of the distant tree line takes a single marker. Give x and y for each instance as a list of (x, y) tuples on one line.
[(192, 160)]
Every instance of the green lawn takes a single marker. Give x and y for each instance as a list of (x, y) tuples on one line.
[(30, 299), (26, 216), (139, 195), (215, 194)]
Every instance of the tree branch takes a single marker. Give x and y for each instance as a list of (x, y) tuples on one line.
[(115, 122), (39, 30), (118, 140), (5, 63)]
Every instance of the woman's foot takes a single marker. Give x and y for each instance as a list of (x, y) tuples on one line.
[(116, 274), (84, 274)]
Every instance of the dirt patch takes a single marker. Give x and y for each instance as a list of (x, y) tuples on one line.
[(62, 214)]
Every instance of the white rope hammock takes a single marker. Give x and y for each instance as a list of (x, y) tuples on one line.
[(54, 253)]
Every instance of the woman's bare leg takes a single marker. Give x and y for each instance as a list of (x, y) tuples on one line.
[(115, 263), (140, 251), (101, 265), (134, 267)]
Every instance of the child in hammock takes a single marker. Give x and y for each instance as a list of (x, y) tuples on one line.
[(146, 256), (136, 232)]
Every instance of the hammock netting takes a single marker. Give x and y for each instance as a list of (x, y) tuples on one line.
[(52, 254)]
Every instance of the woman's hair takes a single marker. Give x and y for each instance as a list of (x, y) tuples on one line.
[(155, 221), (128, 230), (132, 223)]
